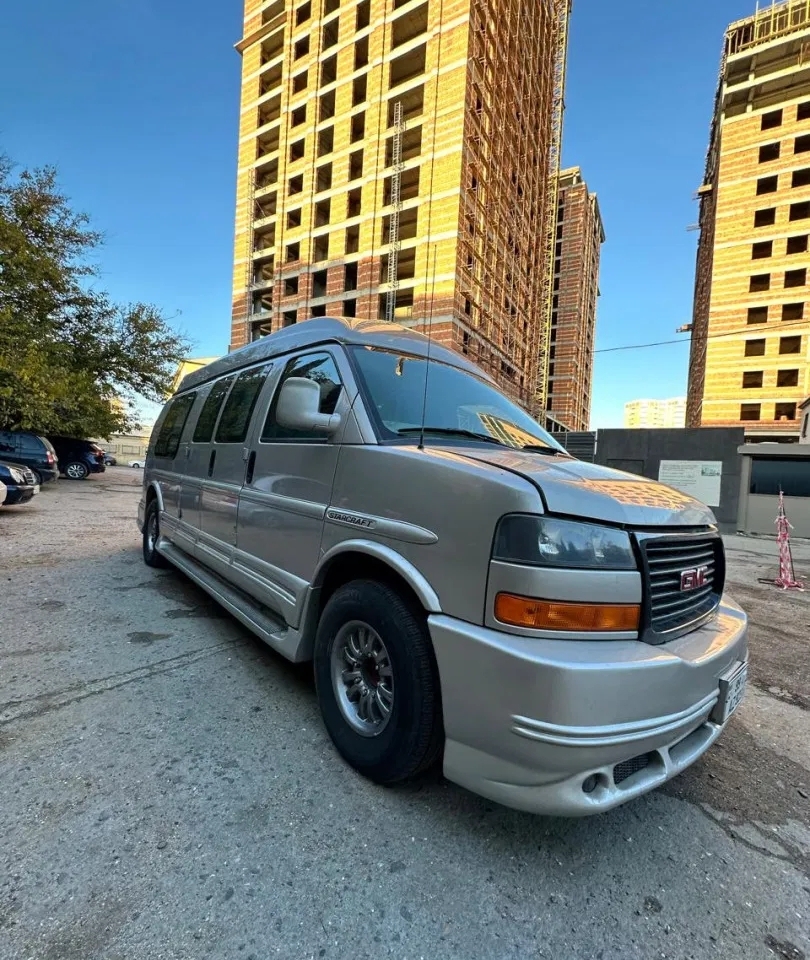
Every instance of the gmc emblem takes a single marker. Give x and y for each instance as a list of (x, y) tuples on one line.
[(693, 579)]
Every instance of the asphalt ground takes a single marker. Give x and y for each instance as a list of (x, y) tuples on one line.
[(167, 790)]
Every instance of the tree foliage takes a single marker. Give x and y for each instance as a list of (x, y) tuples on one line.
[(68, 354)]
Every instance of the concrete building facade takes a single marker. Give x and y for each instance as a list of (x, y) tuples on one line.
[(578, 240), (751, 319), (655, 414), (394, 163)]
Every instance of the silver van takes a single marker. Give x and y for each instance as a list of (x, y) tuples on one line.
[(363, 498)]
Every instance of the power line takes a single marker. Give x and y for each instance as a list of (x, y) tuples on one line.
[(709, 336)]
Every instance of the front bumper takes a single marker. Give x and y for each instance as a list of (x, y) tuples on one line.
[(528, 721)]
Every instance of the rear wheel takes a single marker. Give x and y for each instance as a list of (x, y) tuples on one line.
[(151, 535), (377, 682), (76, 470)]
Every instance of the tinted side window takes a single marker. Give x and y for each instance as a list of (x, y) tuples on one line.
[(168, 440), (319, 367), (210, 411), (790, 475), (235, 419), (8, 442), (30, 444)]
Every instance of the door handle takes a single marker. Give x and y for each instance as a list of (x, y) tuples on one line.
[(250, 467), (211, 461)]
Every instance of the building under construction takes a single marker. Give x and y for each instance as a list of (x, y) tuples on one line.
[(398, 159), (579, 238), (751, 322)]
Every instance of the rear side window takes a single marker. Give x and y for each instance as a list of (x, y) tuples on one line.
[(319, 367), (210, 411), (235, 419), (30, 444), (168, 440)]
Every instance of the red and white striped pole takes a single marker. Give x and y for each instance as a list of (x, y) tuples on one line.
[(787, 574)]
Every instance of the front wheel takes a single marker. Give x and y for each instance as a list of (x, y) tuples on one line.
[(377, 683), (151, 535), (76, 470)]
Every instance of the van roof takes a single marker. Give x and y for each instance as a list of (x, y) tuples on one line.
[(323, 330)]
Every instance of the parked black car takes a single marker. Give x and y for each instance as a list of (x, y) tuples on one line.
[(32, 451), (78, 458), (19, 481)]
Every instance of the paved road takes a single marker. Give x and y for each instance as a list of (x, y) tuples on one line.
[(167, 791)]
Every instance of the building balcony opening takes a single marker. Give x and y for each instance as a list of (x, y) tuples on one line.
[(326, 106), (320, 248), (296, 185), (408, 66), (274, 10), (757, 315), (411, 146), (800, 178), (290, 286), (403, 306), (266, 207), (297, 150), (298, 116), (265, 238), (358, 127), (319, 284), (322, 212), (269, 111), (762, 250), (293, 252), (303, 13), (765, 218), (350, 277), (406, 265), (752, 379), (408, 187), (270, 80), (769, 152), (413, 104), (755, 348), (329, 70), (408, 223), (409, 26), (792, 312), (289, 317), (293, 218), (353, 239), (323, 177), (267, 143), (796, 244), (796, 278), (350, 308), (267, 175), (789, 345), (759, 282), (785, 411), (354, 203), (329, 6), (356, 165), (300, 48), (803, 111), (363, 15), (319, 311), (750, 411), (299, 81), (802, 144), (326, 141), (361, 53), (771, 120), (272, 47), (787, 378), (264, 272), (359, 90), (330, 35), (800, 211)]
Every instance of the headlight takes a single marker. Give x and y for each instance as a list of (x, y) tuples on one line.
[(16, 476), (550, 542)]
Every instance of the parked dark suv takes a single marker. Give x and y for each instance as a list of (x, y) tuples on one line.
[(36, 453), (78, 458)]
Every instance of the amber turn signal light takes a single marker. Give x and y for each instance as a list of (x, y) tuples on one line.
[(553, 615)]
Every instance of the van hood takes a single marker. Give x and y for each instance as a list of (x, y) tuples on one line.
[(580, 489)]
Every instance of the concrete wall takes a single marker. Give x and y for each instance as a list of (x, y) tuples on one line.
[(641, 452)]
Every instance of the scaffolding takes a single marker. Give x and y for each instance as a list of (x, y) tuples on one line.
[(769, 23), (396, 209), (250, 215)]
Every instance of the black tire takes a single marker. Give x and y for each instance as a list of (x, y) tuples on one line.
[(151, 532), (76, 470), (412, 740)]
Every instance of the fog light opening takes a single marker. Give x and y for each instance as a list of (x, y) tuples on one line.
[(589, 784)]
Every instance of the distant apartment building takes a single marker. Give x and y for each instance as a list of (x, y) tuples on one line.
[(751, 319), (398, 161), (578, 241), (655, 414)]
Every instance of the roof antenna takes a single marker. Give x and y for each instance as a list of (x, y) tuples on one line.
[(427, 363)]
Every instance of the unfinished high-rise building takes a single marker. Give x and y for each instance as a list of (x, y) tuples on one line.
[(398, 160), (578, 241), (751, 320)]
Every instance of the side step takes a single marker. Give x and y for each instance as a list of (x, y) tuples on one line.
[(256, 618)]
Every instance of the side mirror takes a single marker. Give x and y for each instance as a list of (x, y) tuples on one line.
[(298, 405)]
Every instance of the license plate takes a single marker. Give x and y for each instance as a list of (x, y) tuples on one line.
[(732, 691)]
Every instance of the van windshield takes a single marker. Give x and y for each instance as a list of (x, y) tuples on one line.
[(457, 403)]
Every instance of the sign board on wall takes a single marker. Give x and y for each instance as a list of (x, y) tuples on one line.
[(698, 478)]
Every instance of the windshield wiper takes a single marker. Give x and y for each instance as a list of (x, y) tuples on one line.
[(542, 448), (452, 432)]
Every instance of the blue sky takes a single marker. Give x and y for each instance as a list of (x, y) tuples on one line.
[(136, 102)]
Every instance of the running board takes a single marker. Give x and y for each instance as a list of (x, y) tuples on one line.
[(256, 618)]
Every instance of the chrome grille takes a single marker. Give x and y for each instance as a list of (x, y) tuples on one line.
[(672, 607)]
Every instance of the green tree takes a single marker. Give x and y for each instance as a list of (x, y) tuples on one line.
[(67, 352)]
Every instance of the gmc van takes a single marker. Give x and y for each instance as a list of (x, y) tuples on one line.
[(554, 631)]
